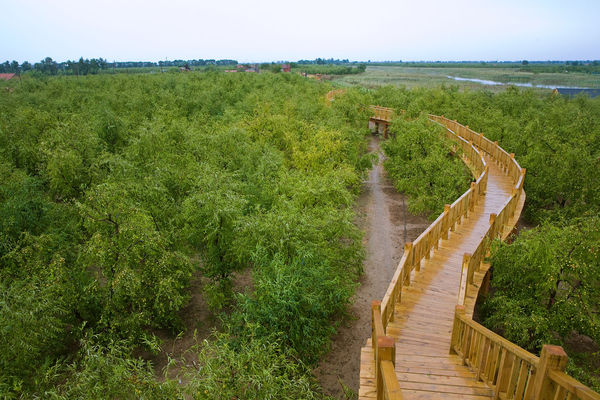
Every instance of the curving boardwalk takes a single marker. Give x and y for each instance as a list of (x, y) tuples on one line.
[(424, 343), (422, 323)]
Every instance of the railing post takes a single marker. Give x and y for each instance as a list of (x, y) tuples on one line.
[(408, 249), (429, 245), (375, 308), (492, 223), (454, 339), (486, 171), (552, 358), (474, 195), (386, 351), (467, 260), (445, 226), (496, 151), (523, 171)]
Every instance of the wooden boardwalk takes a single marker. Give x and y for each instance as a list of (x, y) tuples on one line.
[(422, 323)]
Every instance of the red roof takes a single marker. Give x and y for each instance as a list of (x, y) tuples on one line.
[(6, 77)]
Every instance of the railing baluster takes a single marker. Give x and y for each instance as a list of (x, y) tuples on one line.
[(522, 380)]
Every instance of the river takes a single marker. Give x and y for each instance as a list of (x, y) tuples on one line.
[(494, 83)]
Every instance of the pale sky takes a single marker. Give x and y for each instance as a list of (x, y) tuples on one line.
[(146, 30)]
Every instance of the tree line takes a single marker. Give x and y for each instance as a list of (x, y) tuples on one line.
[(92, 66)]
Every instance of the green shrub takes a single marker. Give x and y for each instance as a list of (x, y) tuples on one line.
[(421, 165)]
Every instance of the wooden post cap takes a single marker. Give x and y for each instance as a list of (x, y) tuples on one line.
[(466, 258), (385, 342), (447, 208), (512, 155), (554, 351), (408, 246), (459, 309), (492, 218), (375, 304)]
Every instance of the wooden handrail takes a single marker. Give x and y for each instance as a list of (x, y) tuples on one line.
[(382, 113), (511, 371), (565, 385), (502, 365), (391, 387)]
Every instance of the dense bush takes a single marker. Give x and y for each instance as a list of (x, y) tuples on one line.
[(112, 185), (252, 369), (420, 163)]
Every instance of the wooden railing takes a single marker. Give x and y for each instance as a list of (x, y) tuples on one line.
[(472, 262), (414, 252), (511, 371), (384, 351), (382, 113), (427, 241)]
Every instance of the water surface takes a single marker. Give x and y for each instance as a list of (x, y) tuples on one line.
[(494, 83)]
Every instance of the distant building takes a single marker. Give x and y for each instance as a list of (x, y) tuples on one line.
[(572, 92), (247, 67), (6, 77), (286, 68)]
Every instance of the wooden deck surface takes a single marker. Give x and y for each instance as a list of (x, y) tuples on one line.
[(422, 322)]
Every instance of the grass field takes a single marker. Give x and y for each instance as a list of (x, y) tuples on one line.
[(433, 77)]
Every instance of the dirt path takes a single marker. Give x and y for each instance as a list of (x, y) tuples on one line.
[(382, 218)]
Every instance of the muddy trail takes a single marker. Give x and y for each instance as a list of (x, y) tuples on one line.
[(387, 225)]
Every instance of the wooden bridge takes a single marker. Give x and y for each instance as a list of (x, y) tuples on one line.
[(380, 121), (424, 343)]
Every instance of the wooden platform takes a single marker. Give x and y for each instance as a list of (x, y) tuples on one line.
[(422, 322)]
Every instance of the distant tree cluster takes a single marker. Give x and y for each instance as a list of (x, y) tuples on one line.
[(48, 66), (330, 69), (324, 61)]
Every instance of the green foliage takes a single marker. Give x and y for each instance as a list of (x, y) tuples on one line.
[(33, 332), (293, 302), (109, 371), (547, 285), (140, 281), (421, 165), (114, 184), (330, 69), (256, 369)]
